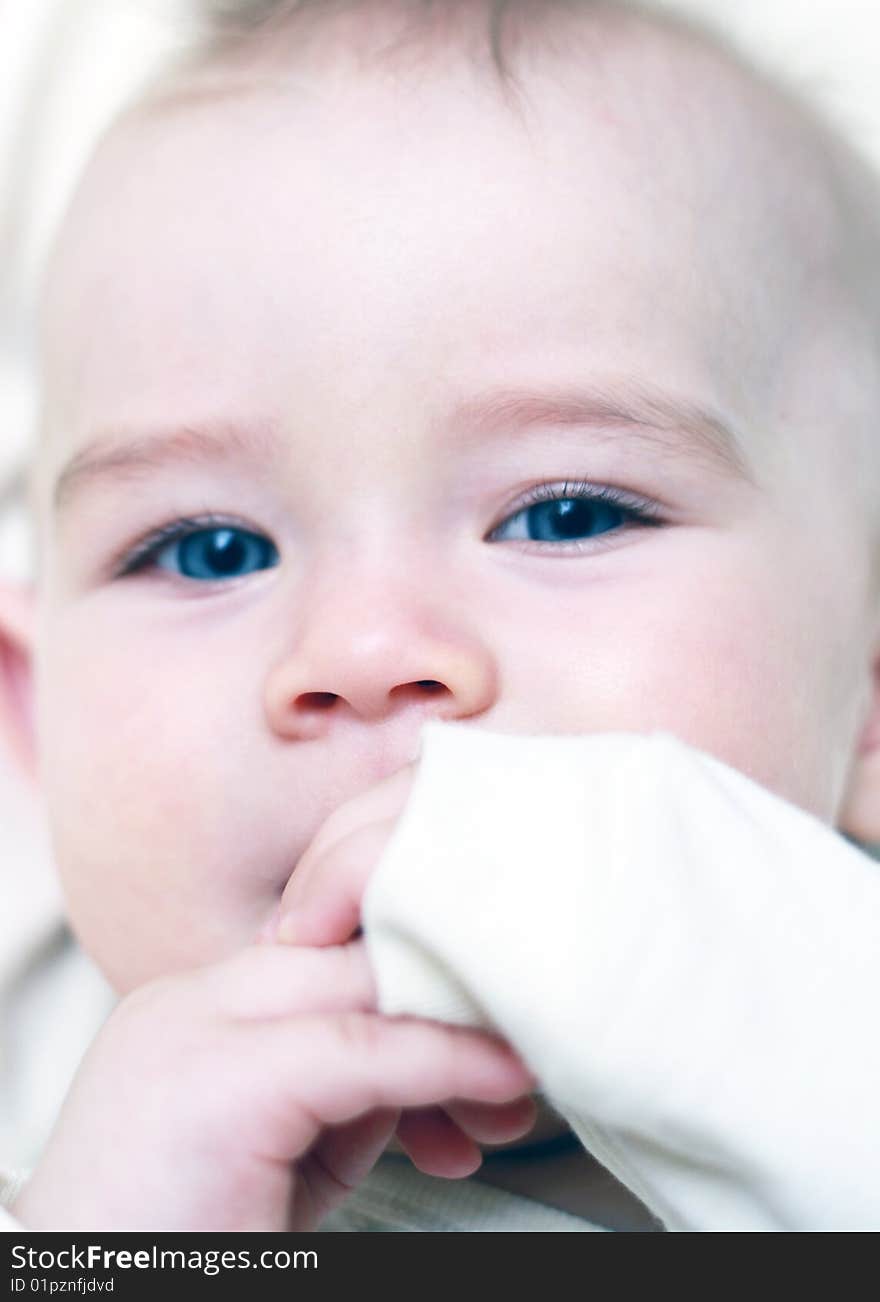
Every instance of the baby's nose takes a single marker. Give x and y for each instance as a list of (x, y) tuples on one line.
[(373, 661)]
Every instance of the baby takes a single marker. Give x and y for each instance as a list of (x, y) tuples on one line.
[(461, 369)]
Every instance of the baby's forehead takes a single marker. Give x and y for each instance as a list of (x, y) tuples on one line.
[(676, 106), (632, 125)]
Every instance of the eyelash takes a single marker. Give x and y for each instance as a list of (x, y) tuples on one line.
[(143, 553), (638, 512)]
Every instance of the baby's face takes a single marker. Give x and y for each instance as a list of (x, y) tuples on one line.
[(371, 402)]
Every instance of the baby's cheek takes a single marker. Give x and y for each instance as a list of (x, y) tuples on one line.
[(160, 866), (712, 645), (752, 680)]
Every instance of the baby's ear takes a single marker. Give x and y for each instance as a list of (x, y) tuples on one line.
[(17, 622), (860, 815)]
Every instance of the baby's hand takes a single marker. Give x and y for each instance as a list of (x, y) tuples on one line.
[(249, 1095), (321, 906)]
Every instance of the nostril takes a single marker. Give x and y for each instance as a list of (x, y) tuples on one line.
[(318, 700), (418, 690)]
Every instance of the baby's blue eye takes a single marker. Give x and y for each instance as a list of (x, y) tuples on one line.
[(216, 553), (567, 519)]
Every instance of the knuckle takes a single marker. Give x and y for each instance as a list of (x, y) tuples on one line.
[(236, 968), (148, 1002), (358, 976), (149, 1027), (362, 1034)]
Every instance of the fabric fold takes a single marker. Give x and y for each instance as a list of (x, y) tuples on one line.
[(685, 960)]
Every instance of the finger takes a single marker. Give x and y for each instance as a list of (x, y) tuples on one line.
[(340, 1160), (497, 1123), (323, 905), (273, 981), (441, 1141), (383, 801), (436, 1145), (308, 1073), (345, 838)]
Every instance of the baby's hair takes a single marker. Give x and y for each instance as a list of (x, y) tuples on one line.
[(226, 21), (224, 25)]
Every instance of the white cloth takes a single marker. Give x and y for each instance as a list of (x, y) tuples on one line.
[(687, 962)]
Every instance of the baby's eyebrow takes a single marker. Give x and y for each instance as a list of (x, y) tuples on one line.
[(632, 411), (117, 457), (643, 412)]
